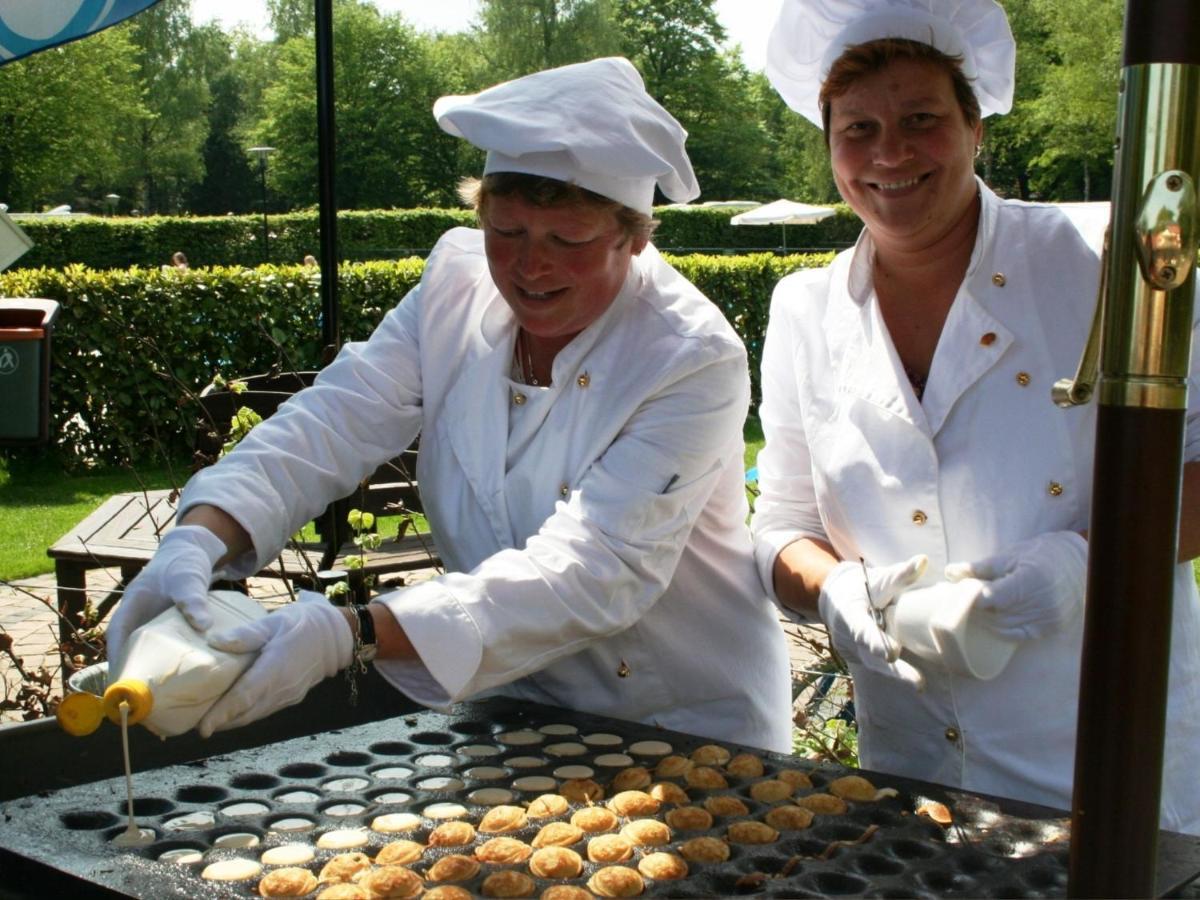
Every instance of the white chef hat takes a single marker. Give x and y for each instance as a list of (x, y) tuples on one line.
[(590, 124), (810, 35)]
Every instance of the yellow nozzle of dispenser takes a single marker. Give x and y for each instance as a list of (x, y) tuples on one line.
[(80, 714), (132, 691)]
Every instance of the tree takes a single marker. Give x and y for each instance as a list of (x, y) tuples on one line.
[(676, 44), (167, 143), (66, 115), (517, 37), (229, 184), (390, 151), (291, 18)]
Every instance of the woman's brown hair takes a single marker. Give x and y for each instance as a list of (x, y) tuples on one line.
[(538, 190), (873, 56)]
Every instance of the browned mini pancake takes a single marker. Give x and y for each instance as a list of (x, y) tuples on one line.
[(726, 805), (771, 791), (502, 818), (789, 818), (508, 883), (454, 867), (399, 853), (391, 881), (852, 787), (593, 819), (705, 777), (452, 834), (689, 818), (548, 805), (581, 790), (635, 778), (673, 766), (662, 866), (633, 803), (290, 881), (503, 851), (647, 832), (704, 849), (822, 804), (616, 881), (668, 792), (558, 834), (609, 848), (750, 832), (344, 867), (745, 765), (556, 862)]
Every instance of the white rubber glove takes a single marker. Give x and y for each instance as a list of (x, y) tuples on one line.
[(301, 644), (1034, 587), (849, 613), (180, 572)]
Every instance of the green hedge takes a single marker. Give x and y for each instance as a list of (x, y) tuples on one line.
[(119, 243), (132, 347)]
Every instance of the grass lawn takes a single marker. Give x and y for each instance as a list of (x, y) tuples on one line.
[(39, 504)]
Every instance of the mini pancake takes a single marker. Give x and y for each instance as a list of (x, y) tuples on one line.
[(288, 855), (447, 892), (499, 819), (342, 839), (823, 804), (705, 777), (750, 832), (503, 851), (508, 883), (711, 755), (399, 853), (609, 848), (290, 881), (673, 766), (616, 881), (662, 866), (392, 823), (391, 881), (633, 803), (231, 870), (632, 779), (581, 790), (668, 792), (771, 790), (344, 867), (852, 787), (689, 818), (745, 765), (548, 805), (647, 832), (789, 818), (345, 891), (704, 849), (593, 819), (565, 892), (726, 805), (795, 777), (454, 867), (558, 834), (556, 862), (452, 834)]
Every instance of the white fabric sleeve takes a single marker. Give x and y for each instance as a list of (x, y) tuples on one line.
[(600, 561), (786, 509), (363, 409)]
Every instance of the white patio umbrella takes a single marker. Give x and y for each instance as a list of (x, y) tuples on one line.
[(783, 213)]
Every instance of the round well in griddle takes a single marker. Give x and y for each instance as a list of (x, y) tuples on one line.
[(431, 738), (303, 770), (201, 793), (350, 759)]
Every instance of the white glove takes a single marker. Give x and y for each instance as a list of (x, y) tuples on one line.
[(1033, 587), (301, 644), (850, 597), (180, 572)]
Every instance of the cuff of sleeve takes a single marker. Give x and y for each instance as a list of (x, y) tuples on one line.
[(446, 640)]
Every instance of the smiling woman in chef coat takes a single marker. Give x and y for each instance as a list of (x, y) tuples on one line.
[(911, 439), (580, 407)]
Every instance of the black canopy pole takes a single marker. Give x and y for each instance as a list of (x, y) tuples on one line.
[(326, 149), (1142, 394)]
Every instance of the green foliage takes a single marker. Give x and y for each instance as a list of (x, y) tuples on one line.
[(131, 349), (522, 36), (65, 115), (237, 240)]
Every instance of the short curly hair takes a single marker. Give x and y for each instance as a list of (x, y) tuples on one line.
[(873, 56), (539, 190)]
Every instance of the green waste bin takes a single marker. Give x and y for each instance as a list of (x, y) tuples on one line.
[(25, 327)]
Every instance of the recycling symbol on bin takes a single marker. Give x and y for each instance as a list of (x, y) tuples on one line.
[(8, 361)]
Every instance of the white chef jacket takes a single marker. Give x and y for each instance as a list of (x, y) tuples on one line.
[(985, 460), (604, 564)]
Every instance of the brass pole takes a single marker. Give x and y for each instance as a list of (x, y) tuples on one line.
[(1142, 392)]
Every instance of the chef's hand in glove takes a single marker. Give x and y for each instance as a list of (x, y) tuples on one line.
[(1034, 587), (849, 598), (300, 645), (180, 572)]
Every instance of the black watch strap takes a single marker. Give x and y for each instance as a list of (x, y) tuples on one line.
[(366, 634)]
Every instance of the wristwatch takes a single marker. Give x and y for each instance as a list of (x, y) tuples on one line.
[(365, 646)]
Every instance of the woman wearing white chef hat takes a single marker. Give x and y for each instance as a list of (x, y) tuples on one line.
[(911, 437), (580, 407)]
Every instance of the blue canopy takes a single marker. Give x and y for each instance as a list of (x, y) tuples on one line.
[(27, 26)]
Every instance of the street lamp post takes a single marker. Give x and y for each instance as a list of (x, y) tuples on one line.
[(112, 200), (262, 153)]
